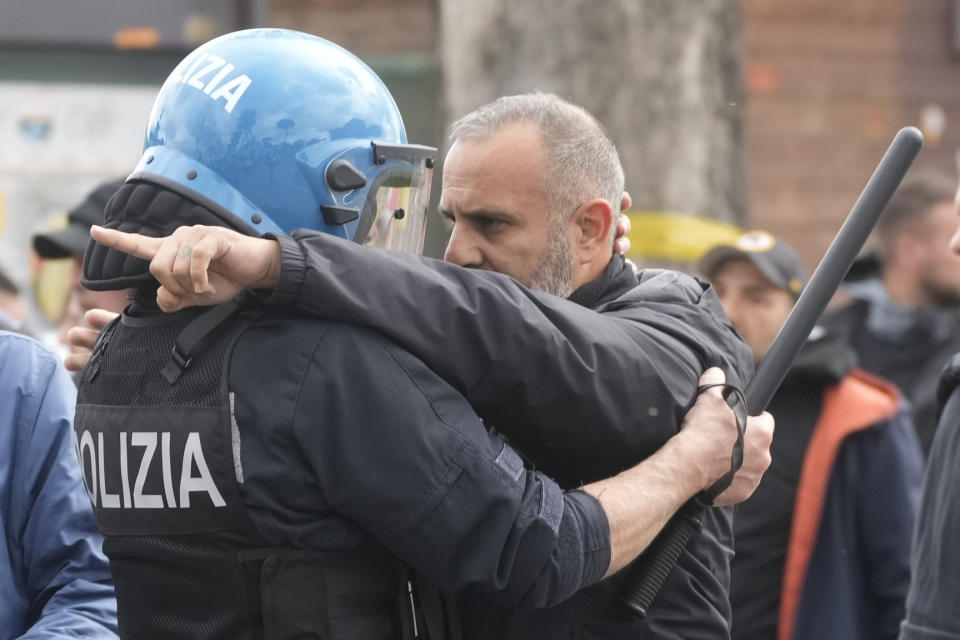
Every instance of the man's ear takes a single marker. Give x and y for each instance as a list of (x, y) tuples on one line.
[(594, 221)]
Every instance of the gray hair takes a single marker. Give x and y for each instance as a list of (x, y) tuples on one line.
[(582, 162)]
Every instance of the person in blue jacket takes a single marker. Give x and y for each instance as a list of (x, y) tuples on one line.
[(54, 579)]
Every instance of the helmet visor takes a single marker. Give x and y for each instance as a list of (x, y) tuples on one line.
[(397, 207)]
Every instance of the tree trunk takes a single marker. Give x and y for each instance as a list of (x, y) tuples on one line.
[(663, 77)]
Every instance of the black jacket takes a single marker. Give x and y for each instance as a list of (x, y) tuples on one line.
[(932, 612), (582, 395)]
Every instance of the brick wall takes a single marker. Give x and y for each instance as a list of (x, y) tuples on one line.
[(362, 26), (829, 84), (929, 76)]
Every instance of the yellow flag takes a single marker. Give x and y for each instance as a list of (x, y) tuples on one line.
[(674, 236)]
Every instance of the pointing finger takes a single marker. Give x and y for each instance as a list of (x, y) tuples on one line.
[(135, 244)]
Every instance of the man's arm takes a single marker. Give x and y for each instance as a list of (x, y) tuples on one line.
[(65, 574), (542, 369), (413, 465), (756, 440), (588, 393)]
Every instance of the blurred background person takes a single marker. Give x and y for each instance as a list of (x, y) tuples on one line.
[(70, 242), (904, 324), (822, 548), (13, 309)]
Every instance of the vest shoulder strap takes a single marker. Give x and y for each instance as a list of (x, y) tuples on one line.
[(194, 337)]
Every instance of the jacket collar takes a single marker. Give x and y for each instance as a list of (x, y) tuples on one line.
[(616, 280)]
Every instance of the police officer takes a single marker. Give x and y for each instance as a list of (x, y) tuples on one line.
[(259, 475)]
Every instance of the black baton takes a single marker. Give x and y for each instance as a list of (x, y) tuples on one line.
[(655, 564)]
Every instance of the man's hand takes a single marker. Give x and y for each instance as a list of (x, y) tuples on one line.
[(714, 430), (200, 265), (82, 338), (709, 430), (621, 243), (639, 501), (756, 460)]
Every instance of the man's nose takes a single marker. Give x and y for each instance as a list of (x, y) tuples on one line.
[(462, 249)]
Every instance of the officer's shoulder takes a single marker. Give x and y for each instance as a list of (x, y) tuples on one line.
[(298, 331), (279, 347)]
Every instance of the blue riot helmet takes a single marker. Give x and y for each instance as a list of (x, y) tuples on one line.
[(275, 130)]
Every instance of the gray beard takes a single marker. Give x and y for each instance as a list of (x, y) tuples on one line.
[(554, 274)]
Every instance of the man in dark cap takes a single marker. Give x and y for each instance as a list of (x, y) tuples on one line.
[(70, 242), (822, 548)]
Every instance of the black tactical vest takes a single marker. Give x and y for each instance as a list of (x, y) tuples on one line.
[(159, 451)]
